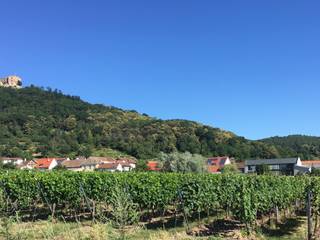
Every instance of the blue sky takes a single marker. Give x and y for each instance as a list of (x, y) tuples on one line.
[(251, 67)]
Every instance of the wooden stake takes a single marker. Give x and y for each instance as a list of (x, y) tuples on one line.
[(309, 215), (277, 215)]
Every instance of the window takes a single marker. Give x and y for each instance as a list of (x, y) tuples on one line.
[(251, 168), (274, 167)]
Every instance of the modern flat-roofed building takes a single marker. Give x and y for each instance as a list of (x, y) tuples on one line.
[(279, 166)]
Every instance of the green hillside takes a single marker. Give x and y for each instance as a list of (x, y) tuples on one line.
[(307, 147), (47, 122)]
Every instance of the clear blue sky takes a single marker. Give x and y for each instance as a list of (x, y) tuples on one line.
[(252, 67)]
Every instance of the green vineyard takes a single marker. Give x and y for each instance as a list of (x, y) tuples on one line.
[(244, 198)]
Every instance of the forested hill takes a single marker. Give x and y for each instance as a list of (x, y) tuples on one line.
[(49, 123), (308, 147)]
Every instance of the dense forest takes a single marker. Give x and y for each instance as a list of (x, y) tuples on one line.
[(308, 147), (48, 123)]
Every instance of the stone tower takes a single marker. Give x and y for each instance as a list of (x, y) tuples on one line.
[(11, 81)]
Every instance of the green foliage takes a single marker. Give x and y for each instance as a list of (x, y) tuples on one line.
[(315, 172), (124, 211), (229, 168), (34, 120), (6, 229), (60, 168), (242, 195), (182, 162), (141, 166), (7, 166), (262, 169), (102, 152), (314, 187), (306, 147)]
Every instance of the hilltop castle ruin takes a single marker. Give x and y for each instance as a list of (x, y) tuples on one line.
[(11, 81)]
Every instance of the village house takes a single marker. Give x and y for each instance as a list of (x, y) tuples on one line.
[(44, 164), (93, 163), (127, 164), (311, 163), (90, 164), (110, 167), (118, 165), (81, 164), (73, 165), (12, 160), (27, 165), (126, 167), (278, 166), (216, 164), (153, 166)]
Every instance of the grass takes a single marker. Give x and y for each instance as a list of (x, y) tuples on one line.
[(84, 231), (108, 152), (293, 229)]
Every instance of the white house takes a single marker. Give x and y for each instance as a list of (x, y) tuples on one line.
[(15, 161), (110, 167)]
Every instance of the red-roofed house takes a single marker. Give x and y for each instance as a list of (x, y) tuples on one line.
[(215, 164), (153, 166), (311, 163), (46, 163)]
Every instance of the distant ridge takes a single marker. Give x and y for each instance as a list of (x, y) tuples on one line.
[(308, 147)]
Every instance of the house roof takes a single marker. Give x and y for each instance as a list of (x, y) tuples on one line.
[(77, 163), (44, 162), (98, 160), (217, 161), (153, 166), (91, 161), (10, 158), (215, 164), (311, 163), (271, 161), (108, 166)]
